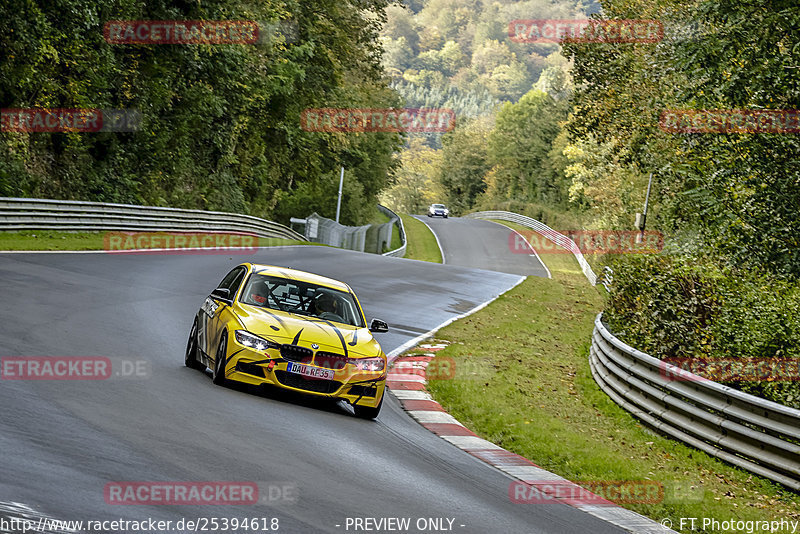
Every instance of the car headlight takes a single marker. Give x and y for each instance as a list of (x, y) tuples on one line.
[(369, 364), (243, 337), (447, 212)]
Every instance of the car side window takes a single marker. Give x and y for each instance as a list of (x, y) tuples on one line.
[(237, 281), (232, 280)]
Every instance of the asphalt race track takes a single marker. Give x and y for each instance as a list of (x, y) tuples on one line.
[(63, 441), (483, 245)]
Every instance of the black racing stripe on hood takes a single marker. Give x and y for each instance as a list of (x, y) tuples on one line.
[(315, 323), (276, 317), (297, 337), (338, 333), (355, 339)]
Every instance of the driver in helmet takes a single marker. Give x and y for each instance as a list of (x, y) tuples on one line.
[(326, 303)]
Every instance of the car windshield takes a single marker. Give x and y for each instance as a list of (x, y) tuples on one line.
[(302, 298), (438, 206)]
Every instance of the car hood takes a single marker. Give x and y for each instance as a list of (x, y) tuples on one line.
[(283, 327)]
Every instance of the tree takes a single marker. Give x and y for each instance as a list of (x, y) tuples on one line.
[(510, 82), (520, 146), (490, 55), (414, 187), (465, 163), (221, 123), (400, 25)]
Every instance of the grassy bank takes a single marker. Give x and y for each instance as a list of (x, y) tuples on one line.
[(421, 243), (528, 388), (49, 240)]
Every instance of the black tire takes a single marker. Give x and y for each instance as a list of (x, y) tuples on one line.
[(365, 412), (445, 216), (429, 215), (190, 359), (219, 363)]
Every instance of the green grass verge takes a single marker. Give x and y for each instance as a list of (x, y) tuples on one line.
[(378, 217), (50, 240), (527, 386), (420, 241)]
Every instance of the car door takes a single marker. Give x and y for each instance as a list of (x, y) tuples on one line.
[(212, 313)]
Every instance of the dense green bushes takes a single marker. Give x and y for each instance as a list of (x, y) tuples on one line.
[(221, 123), (673, 306)]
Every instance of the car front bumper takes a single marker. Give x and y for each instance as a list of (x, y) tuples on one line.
[(362, 388)]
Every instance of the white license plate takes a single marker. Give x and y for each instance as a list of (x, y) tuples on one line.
[(309, 371)]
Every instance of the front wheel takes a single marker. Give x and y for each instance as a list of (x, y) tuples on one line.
[(219, 364), (191, 350), (365, 412)]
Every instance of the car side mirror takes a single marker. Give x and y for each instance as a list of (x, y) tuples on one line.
[(378, 326), (222, 293)]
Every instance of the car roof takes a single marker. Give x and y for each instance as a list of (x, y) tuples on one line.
[(302, 276)]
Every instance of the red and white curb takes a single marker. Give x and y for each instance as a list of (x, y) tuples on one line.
[(406, 381)]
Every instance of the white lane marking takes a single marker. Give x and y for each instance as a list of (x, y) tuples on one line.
[(407, 394), (535, 254), (433, 416), (528, 473), (471, 443), (626, 519), (438, 243), (409, 366), (404, 377), (412, 342)]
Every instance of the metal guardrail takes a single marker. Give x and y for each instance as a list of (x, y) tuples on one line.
[(397, 221), (320, 229), (373, 238), (758, 435), (559, 239), (19, 214)]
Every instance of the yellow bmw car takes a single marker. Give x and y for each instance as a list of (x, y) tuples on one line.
[(268, 325)]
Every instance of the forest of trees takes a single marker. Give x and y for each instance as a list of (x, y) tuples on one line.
[(457, 53), (576, 142), (221, 122)]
